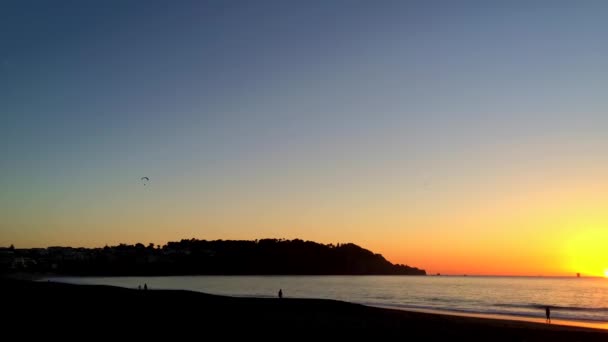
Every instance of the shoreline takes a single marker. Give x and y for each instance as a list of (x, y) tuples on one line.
[(113, 310), (539, 320)]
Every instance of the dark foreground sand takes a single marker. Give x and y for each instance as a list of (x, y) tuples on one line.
[(69, 312)]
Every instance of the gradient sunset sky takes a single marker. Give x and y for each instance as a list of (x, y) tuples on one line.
[(458, 136)]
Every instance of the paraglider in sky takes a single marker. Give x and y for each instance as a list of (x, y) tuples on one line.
[(145, 180)]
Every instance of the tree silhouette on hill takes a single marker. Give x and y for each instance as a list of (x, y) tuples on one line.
[(227, 257)]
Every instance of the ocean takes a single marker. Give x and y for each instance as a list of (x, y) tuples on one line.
[(572, 300)]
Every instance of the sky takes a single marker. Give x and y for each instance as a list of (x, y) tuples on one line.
[(462, 137)]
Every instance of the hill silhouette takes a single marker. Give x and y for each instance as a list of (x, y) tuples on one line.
[(219, 257)]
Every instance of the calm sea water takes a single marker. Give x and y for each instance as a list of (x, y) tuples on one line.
[(572, 299)]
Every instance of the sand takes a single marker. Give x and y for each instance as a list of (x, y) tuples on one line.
[(84, 312)]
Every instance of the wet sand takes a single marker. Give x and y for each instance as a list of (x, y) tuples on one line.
[(539, 319), (86, 312)]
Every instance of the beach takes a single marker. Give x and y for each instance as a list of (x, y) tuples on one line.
[(64, 310)]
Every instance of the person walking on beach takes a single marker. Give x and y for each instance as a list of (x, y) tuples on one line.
[(548, 313), (145, 286), (280, 293)]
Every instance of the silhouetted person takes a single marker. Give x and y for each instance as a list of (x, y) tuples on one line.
[(280, 293), (548, 313), (139, 287), (145, 286)]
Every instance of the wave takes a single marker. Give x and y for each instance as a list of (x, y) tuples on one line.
[(553, 307)]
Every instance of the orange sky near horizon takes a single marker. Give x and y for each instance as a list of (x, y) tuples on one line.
[(555, 232)]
